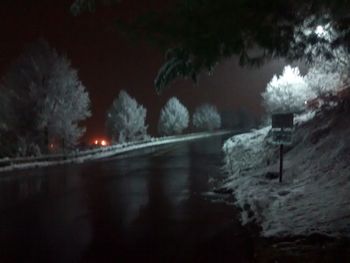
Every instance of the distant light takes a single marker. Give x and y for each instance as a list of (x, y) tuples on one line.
[(51, 145), (320, 31), (100, 142)]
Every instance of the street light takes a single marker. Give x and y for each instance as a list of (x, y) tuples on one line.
[(320, 31)]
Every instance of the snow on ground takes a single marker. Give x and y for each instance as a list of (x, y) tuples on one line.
[(7, 164), (314, 196)]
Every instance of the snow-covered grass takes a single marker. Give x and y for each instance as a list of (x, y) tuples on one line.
[(9, 164), (314, 196)]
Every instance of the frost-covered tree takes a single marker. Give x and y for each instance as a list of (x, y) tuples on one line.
[(44, 98), (313, 38), (206, 117), (174, 118), (126, 119), (286, 93), (321, 81), (65, 104), (329, 76)]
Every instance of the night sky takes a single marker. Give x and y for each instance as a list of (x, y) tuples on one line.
[(108, 62)]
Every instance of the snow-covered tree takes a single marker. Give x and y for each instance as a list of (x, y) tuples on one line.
[(206, 117), (45, 100), (126, 119), (67, 104), (314, 37), (286, 93), (174, 118), (329, 76), (322, 81)]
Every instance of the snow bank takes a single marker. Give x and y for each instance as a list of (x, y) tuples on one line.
[(8, 164), (314, 196)]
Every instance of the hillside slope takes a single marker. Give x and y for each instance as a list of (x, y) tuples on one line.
[(314, 196)]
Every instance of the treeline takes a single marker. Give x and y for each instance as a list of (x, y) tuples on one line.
[(43, 104)]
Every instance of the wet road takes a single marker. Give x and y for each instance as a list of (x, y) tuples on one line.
[(147, 206)]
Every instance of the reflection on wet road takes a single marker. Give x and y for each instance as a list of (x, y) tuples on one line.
[(148, 205)]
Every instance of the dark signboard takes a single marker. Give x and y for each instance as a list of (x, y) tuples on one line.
[(283, 120), (282, 129)]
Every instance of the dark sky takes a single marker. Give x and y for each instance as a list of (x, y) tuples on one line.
[(108, 62)]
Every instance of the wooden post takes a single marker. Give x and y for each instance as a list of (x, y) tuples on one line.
[(281, 162)]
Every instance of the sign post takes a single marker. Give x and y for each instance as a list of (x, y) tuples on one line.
[(282, 128), (281, 163)]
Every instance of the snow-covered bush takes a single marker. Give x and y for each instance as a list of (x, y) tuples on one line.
[(246, 150), (206, 117), (321, 81), (286, 93), (42, 98), (174, 118), (126, 119), (329, 76)]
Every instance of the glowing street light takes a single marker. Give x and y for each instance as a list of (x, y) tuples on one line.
[(320, 31), (325, 31)]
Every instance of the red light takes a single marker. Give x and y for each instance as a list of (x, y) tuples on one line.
[(100, 142)]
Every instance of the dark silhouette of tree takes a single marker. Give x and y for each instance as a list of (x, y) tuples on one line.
[(196, 34)]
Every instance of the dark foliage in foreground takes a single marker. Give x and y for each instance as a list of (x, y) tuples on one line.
[(197, 34)]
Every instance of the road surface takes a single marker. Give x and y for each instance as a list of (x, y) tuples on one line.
[(150, 205)]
